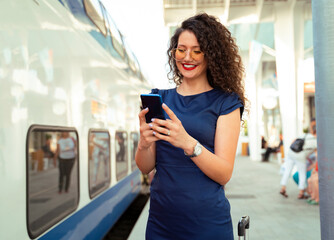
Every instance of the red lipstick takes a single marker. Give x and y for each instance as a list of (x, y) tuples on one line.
[(189, 67)]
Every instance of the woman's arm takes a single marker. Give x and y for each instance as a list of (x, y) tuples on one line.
[(145, 159), (217, 166), (55, 156), (145, 154), (312, 165)]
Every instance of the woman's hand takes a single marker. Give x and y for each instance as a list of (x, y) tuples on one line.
[(146, 133), (172, 131)]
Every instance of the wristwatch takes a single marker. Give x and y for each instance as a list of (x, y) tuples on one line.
[(197, 150)]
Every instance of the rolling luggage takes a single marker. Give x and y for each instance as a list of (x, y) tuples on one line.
[(243, 224)]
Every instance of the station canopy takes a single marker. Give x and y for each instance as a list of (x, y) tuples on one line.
[(247, 20)]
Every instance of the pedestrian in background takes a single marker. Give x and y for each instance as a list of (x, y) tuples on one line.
[(193, 151), (300, 160), (66, 154), (313, 186)]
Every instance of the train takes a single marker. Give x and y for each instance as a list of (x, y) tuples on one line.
[(69, 129)]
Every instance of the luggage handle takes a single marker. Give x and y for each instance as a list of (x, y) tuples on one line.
[(243, 224)]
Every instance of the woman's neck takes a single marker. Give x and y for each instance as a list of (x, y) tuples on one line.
[(193, 87)]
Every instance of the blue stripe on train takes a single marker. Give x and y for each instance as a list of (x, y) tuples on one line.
[(94, 220)]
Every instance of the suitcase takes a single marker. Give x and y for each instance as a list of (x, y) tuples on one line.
[(243, 224)]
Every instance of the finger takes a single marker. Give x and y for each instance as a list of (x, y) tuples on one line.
[(147, 129), (170, 113), (149, 134), (144, 127), (161, 130), (153, 139), (160, 136), (142, 114), (159, 122)]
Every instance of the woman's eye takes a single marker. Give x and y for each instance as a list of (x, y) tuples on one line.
[(181, 50)]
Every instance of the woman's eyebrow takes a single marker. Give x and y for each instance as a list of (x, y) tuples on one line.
[(181, 45)]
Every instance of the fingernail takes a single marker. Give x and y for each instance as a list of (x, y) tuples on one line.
[(164, 105), (150, 124), (146, 109), (154, 133), (152, 120)]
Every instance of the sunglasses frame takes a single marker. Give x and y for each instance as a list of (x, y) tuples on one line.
[(173, 51)]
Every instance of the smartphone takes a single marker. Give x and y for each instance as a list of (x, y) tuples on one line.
[(153, 102)]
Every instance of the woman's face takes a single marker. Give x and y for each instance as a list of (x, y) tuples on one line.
[(65, 134), (189, 67)]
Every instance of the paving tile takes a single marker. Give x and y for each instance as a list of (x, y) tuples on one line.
[(271, 215)]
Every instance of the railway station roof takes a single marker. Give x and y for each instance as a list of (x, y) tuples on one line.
[(246, 19), (229, 11)]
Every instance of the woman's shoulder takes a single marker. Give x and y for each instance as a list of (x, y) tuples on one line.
[(310, 136), (228, 101), (224, 94)]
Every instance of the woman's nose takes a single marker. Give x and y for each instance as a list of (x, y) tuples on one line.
[(188, 56)]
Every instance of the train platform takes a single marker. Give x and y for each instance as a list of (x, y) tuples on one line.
[(254, 191)]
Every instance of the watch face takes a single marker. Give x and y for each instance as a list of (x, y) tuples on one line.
[(198, 149)]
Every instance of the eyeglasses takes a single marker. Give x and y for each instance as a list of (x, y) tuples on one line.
[(180, 53)]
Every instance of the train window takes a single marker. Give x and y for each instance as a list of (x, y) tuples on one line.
[(134, 138), (94, 12), (121, 154), (52, 176), (141, 76), (116, 37), (65, 4), (99, 161), (133, 64), (137, 67)]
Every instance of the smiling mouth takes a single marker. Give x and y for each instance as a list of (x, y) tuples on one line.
[(189, 67)]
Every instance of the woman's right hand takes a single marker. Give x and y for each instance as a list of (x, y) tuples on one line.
[(146, 133)]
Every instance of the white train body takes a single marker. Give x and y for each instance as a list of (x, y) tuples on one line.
[(59, 72)]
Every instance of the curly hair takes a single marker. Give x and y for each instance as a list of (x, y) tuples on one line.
[(225, 69)]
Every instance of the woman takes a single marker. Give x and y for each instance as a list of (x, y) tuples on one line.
[(299, 159), (313, 186), (193, 151), (66, 153)]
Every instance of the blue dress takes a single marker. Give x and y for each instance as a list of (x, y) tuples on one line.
[(184, 202)]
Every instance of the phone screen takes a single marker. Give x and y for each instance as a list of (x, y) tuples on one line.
[(153, 102)]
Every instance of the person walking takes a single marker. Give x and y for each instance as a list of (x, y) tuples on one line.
[(193, 150), (299, 159)]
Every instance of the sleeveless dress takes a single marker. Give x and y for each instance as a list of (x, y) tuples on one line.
[(184, 202)]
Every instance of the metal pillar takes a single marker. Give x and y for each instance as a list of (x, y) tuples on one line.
[(323, 41)]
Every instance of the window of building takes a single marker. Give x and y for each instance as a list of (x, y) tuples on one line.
[(99, 161), (134, 138), (52, 176), (121, 142)]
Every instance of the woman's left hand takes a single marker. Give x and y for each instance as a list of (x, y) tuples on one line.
[(172, 131)]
